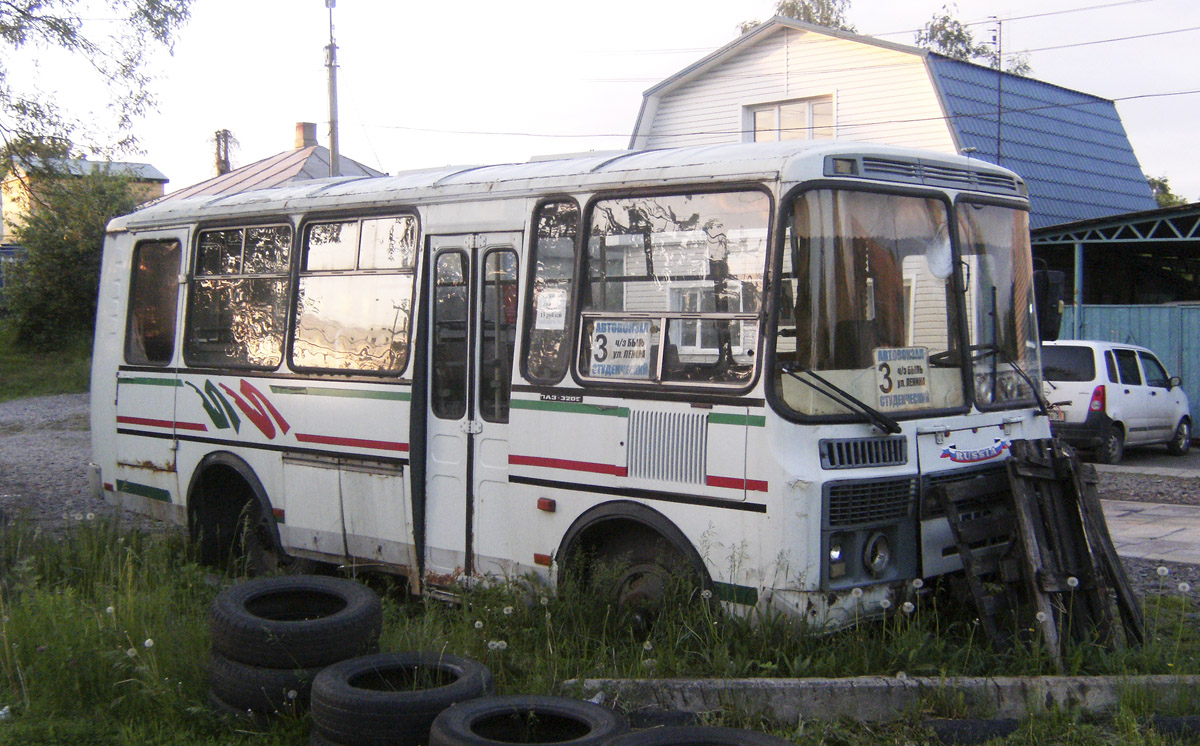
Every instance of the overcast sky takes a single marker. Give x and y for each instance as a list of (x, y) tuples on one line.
[(435, 83)]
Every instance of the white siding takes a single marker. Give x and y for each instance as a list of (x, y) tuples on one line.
[(880, 95)]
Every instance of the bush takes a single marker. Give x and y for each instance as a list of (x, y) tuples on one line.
[(52, 294)]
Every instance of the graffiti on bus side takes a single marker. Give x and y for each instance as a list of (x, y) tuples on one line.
[(253, 404)]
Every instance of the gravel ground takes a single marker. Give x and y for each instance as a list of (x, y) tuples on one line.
[(45, 448)]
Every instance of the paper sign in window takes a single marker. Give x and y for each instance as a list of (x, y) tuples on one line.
[(620, 349), (902, 377)]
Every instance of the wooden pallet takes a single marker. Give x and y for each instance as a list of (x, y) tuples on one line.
[(1054, 564)]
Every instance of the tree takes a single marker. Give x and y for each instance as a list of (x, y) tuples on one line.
[(118, 55), (828, 13), (952, 38), (1161, 186), (51, 295)]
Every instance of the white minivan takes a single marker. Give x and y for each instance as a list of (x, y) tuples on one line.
[(1104, 396)]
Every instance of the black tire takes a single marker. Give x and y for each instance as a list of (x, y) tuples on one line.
[(1181, 441), (494, 721), (305, 621), (378, 700), (697, 736), (265, 690), (1112, 450)]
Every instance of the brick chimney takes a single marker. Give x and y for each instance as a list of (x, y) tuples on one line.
[(306, 135)]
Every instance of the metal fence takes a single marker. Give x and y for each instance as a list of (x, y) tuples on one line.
[(1172, 331)]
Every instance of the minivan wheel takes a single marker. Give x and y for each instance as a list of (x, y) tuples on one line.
[(1113, 448), (1181, 442)]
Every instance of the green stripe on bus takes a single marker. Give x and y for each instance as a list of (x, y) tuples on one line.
[(569, 406), (736, 594), (343, 393), (142, 490), (748, 420), (151, 381)]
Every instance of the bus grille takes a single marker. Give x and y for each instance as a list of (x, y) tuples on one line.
[(668, 446), (859, 453), (930, 507), (867, 502)]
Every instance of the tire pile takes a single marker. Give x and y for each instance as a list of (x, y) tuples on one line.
[(285, 645)]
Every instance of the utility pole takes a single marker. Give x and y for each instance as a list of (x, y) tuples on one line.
[(998, 39), (331, 63)]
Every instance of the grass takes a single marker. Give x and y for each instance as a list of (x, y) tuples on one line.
[(103, 640), (31, 373)]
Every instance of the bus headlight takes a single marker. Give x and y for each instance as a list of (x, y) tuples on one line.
[(877, 554), (837, 558)]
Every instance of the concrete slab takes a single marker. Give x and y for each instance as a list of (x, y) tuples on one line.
[(1154, 531), (875, 698)]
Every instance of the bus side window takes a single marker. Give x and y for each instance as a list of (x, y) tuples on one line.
[(498, 334), (153, 296), (552, 257), (238, 303)]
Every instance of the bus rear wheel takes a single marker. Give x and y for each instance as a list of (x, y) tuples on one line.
[(260, 555)]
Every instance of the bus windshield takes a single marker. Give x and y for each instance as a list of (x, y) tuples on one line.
[(867, 305), (997, 268)]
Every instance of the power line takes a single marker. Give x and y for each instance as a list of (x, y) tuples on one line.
[(1027, 17), (1106, 41)]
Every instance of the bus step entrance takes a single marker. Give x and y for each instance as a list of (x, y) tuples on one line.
[(1058, 570)]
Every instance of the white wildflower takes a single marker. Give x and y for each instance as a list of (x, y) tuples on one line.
[(1072, 582), (885, 604), (647, 646), (501, 645), (110, 611), (908, 607), (1185, 587), (91, 516), (706, 594), (478, 624), (491, 644), (292, 694), (77, 516), (148, 643), (1040, 616), (901, 676), (131, 653), (545, 601), (5, 713), (508, 610), (857, 592), (918, 583), (1162, 571)]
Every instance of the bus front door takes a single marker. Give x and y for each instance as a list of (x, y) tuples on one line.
[(473, 318)]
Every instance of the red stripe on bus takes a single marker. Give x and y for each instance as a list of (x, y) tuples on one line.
[(331, 440), (200, 426), (754, 485), (560, 463)]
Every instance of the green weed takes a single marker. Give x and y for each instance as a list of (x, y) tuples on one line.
[(25, 372), (104, 640)]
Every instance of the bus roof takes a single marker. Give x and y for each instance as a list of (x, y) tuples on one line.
[(785, 161)]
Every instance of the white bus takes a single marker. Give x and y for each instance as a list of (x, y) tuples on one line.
[(748, 361)]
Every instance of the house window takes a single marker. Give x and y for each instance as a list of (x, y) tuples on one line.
[(803, 119)]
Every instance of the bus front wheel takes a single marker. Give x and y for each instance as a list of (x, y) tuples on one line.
[(640, 575)]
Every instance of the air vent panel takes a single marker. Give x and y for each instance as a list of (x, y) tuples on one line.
[(861, 453)]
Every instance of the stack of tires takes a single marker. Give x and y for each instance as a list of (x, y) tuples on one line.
[(271, 636)]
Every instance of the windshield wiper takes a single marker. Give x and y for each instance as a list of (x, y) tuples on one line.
[(849, 401), (991, 350)]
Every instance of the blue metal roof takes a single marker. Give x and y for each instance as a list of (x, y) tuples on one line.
[(1070, 147)]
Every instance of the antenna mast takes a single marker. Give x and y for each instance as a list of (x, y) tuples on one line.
[(331, 63)]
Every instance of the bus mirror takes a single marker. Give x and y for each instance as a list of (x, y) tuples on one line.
[(1049, 287), (939, 257)]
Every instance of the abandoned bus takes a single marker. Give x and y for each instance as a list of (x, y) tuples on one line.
[(750, 361)]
